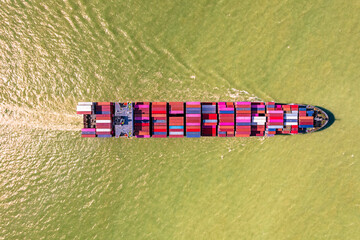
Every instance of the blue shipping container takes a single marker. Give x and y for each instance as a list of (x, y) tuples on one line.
[(104, 135), (176, 127)]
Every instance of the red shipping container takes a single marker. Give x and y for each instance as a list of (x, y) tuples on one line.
[(226, 127), (242, 135), (142, 124), (104, 103), (157, 125), (99, 133), (189, 120), (159, 136), (144, 128), (159, 103), (83, 112), (243, 127), (306, 118), (209, 124), (176, 130), (192, 127), (88, 135), (176, 124), (160, 130), (193, 130), (158, 115), (142, 133), (159, 118), (226, 120), (103, 125), (209, 116), (176, 118)]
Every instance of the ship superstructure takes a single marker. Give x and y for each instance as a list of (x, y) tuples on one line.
[(198, 119)]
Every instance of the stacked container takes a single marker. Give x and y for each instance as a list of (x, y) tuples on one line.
[(270, 106), (306, 119), (104, 108), (176, 127), (209, 119), (176, 119), (176, 108), (295, 111), (85, 108), (290, 119), (226, 126), (275, 119), (258, 119), (243, 119), (193, 119), (88, 132), (142, 119), (159, 119), (104, 111)]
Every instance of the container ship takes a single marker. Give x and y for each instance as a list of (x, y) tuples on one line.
[(198, 119)]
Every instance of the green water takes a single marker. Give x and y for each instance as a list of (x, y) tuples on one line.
[(55, 185)]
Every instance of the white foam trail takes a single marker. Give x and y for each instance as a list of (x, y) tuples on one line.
[(236, 94), (46, 119)]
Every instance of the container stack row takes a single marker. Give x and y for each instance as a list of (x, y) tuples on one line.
[(142, 119), (275, 120), (243, 119), (88, 132), (270, 106), (104, 108), (176, 119), (159, 119), (226, 126), (306, 119), (85, 108), (290, 119), (104, 124), (258, 119), (209, 119), (193, 119)]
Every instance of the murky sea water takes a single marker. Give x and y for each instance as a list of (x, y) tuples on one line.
[(56, 185)]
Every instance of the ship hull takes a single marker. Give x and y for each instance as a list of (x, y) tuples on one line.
[(198, 119)]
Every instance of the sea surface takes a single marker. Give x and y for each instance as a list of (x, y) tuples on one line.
[(56, 185)]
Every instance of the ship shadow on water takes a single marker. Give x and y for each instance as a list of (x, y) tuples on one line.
[(331, 118)]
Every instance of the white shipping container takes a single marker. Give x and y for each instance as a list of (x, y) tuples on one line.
[(290, 117), (85, 103), (258, 118), (103, 130), (275, 126), (103, 121), (257, 123), (176, 133), (83, 108), (291, 123)]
